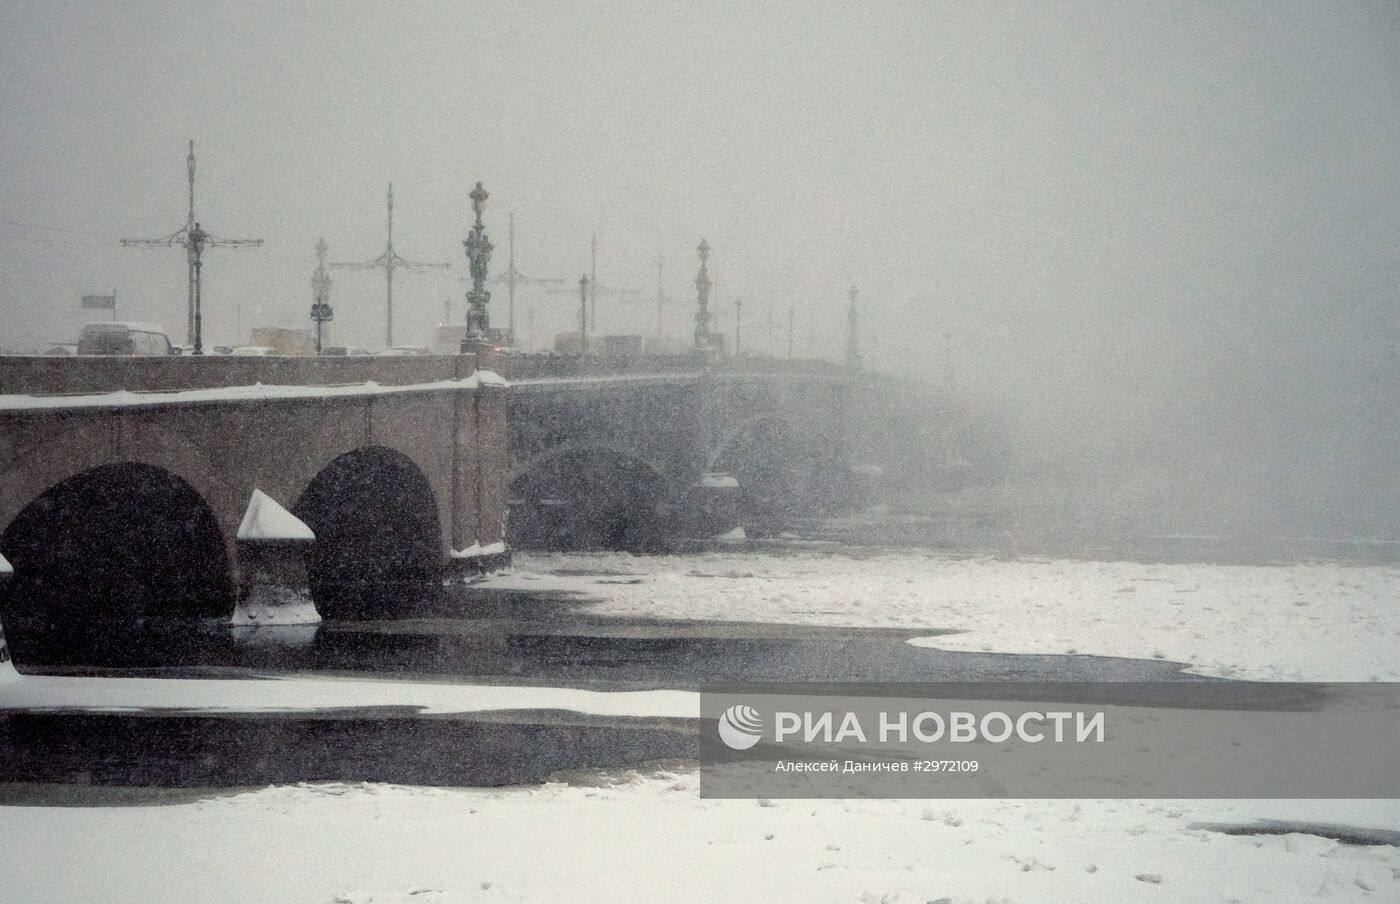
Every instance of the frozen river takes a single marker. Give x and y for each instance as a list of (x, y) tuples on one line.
[(1308, 620), (621, 623)]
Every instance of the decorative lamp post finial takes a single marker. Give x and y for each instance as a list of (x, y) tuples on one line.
[(478, 196)]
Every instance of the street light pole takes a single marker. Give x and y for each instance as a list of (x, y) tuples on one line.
[(389, 261), (194, 240), (510, 283), (197, 240), (852, 334), (583, 314), (738, 326), (320, 293)]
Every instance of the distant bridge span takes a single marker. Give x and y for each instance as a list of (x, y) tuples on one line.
[(650, 446)]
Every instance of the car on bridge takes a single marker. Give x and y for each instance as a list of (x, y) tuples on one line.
[(343, 351), (129, 339), (256, 351)]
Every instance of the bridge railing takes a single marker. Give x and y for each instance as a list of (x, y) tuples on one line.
[(22, 375)]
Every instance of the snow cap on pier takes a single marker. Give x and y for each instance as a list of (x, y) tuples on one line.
[(5, 566), (266, 520)]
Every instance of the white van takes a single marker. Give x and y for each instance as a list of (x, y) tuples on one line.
[(129, 339)]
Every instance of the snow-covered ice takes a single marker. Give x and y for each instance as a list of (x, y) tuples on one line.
[(1297, 622), (649, 838)]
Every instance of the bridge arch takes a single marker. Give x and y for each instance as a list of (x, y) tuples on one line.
[(378, 532), (585, 495), (735, 433), (574, 448), (780, 466), (67, 453), (104, 551), (336, 436)]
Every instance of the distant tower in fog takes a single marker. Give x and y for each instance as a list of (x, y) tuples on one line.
[(702, 292), (739, 326), (852, 334)]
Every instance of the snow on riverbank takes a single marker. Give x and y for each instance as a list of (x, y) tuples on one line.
[(652, 840), (1312, 621)]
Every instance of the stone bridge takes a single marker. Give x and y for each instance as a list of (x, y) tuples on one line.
[(126, 483), (124, 495)]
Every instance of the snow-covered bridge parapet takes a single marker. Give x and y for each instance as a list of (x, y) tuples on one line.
[(25, 375), (397, 465)]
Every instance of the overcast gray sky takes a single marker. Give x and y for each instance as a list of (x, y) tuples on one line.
[(1168, 233)]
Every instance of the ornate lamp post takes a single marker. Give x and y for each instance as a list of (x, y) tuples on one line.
[(196, 242), (702, 289), (321, 293), (478, 257)]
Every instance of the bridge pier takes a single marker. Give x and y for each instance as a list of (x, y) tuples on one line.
[(712, 506), (274, 589), (479, 488), (7, 575)]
